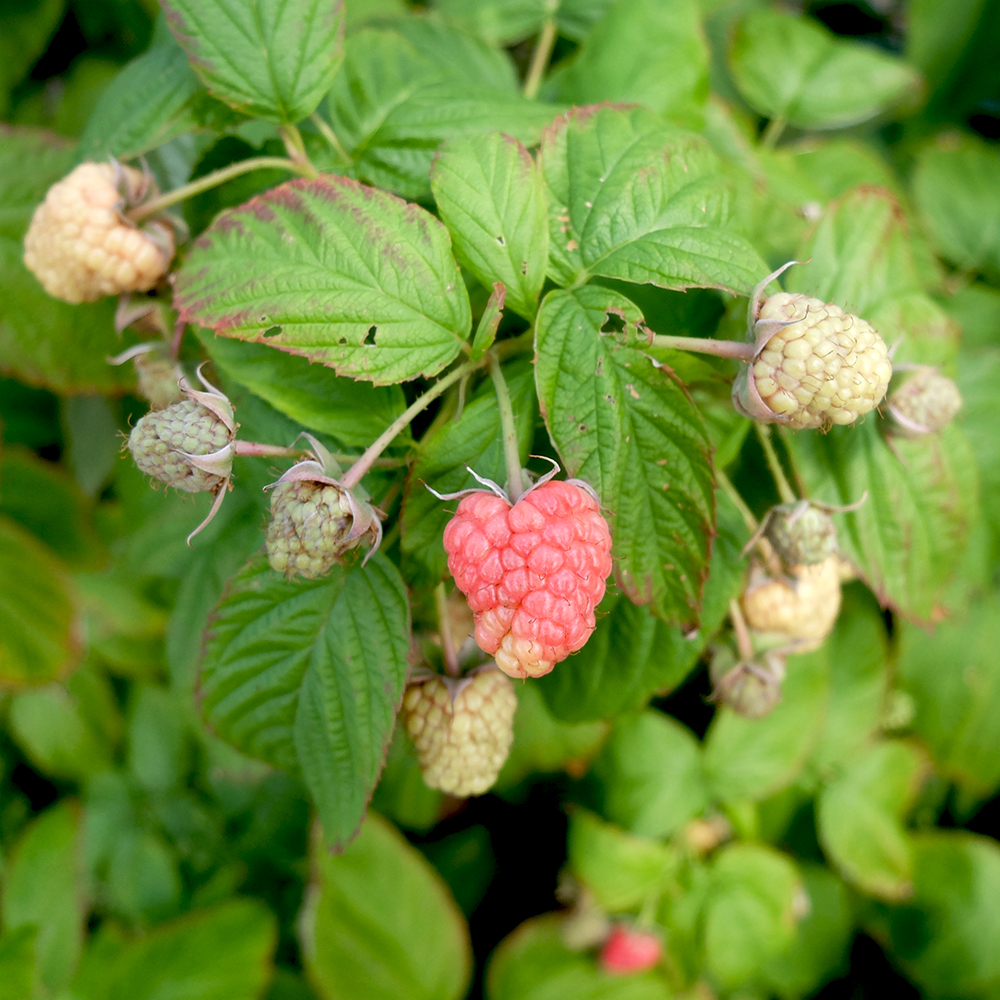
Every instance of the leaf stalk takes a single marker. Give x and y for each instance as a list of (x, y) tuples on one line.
[(785, 491), (511, 452), (540, 58), (737, 349)]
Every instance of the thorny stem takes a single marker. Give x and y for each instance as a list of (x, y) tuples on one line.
[(216, 177), (540, 58), (742, 633), (324, 129), (785, 491), (773, 132), (738, 502), (511, 452), (451, 665), (296, 147), (355, 473), (705, 345)]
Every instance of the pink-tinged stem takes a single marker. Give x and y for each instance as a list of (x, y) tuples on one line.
[(703, 345), (254, 449)]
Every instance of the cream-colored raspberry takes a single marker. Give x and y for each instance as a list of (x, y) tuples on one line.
[(802, 608), (462, 729), (79, 245)]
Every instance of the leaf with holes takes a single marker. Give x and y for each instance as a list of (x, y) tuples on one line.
[(336, 272), (628, 427)]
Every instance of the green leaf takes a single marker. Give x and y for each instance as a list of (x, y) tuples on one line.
[(958, 708), (270, 271), (619, 868), (354, 413), (159, 750), (143, 880), (499, 22), (860, 815), (272, 59), (645, 30), (956, 184), (632, 198), (39, 626), (27, 27), (30, 160), (222, 953), (474, 440), (18, 977), (628, 427), (533, 963), (750, 911), (350, 695), (489, 322), (791, 68), (650, 774), (42, 887), (492, 199), (380, 924), (754, 758), (401, 793)]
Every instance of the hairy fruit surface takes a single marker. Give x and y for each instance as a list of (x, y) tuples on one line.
[(532, 572), (462, 729), (801, 533)]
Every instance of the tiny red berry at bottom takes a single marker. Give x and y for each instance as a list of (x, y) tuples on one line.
[(628, 951)]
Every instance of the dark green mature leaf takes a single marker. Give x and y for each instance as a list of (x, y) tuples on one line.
[(649, 52), (27, 27), (956, 184), (39, 625), (473, 441), (629, 428), (380, 924), (222, 953), (492, 199), (354, 413), (945, 936), (632, 198), (336, 272), (533, 963), (350, 695), (860, 818), (42, 886), (274, 59), (790, 68), (650, 774)]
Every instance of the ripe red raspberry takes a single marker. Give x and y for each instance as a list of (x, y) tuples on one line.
[(628, 951), (532, 572)]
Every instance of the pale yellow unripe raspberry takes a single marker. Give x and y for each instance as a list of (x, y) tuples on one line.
[(462, 729), (801, 608), (79, 245), (924, 404)]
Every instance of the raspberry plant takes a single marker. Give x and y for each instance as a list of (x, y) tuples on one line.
[(644, 351)]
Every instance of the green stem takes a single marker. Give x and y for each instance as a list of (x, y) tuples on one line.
[(522, 342), (254, 449), (740, 630), (738, 502), (355, 473), (448, 650), (737, 349), (296, 147), (771, 135), (324, 129), (785, 491), (211, 180), (511, 452), (540, 58)]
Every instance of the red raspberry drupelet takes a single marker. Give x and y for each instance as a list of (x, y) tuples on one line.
[(532, 572)]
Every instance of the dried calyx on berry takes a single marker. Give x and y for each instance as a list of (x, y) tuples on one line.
[(462, 728), (158, 375), (533, 571), (314, 520), (750, 687), (924, 404), (80, 244), (813, 363)]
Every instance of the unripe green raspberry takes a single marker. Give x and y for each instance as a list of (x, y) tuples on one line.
[(158, 379), (81, 247), (751, 688), (462, 729), (801, 534), (924, 404)]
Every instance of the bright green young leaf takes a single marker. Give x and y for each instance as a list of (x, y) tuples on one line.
[(380, 924), (860, 815), (474, 440), (42, 886), (629, 428), (632, 198), (791, 68), (39, 625), (334, 271), (956, 184), (223, 953), (649, 52), (533, 963), (499, 22), (489, 322), (576, 17), (492, 199), (273, 59), (754, 758), (945, 936), (18, 975), (619, 868), (650, 775), (350, 695)]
